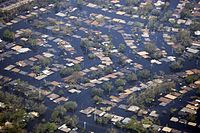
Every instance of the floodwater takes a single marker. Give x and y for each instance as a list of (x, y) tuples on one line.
[(84, 99)]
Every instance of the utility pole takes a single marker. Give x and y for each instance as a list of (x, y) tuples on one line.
[(39, 93), (135, 70), (95, 117), (84, 124)]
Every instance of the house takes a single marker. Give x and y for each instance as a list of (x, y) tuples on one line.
[(33, 114), (88, 110), (99, 112), (153, 114), (74, 91), (174, 119), (53, 96), (116, 118), (9, 67), (126, 120), (60, 99), (167, 129), (133, 108), (2, 105), (64, 128), (192, 124), (169, 96), (192, 50)]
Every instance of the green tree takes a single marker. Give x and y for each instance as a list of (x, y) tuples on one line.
[(135, 125), (8, 35), (61, 92), (97, 99), (96, 91), (122, 48), (32, 42), (176, 65), (41, 108), (120, 89), (58, 113), (120, 82), (70, 105), (66, 71), (183, 37), (195, 25), (147, 120), (46, 128), (107, 86), (45, 61), (132, 2), (191, 118), (71, 121), (150, 47), (144, 74), (36, 69), (131, 77)]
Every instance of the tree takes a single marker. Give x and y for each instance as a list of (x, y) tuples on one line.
[(58, 113), (120, 82), (147, 120), (96, 91), (132, 99), (85, 44), (70, 105), (135, 125), (153, 24), (185, 13), (146, 8), (79, 2), (132, 2), (51, 127), (195, 25), (166, 16), (45, 61), (66, 71), (107, 86), (176, 65), (8, 35), (61, 92), (191, 117), (91, 56), (155, 12), (122, 47), (46, 127), (97, 99), (102, 120), (147, 96), (198, 90), (157, 55), (36, 69), (192, 78), (71, 121), (150, 47), (41, 108), (108, 70), (179, 49), (131, 77), (77, 67), (183, 37), (144, 74), (112, 130), (120, 89), (32, 42), (121, 61)]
